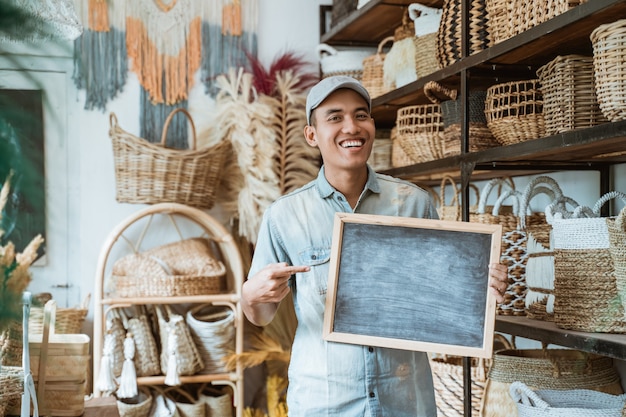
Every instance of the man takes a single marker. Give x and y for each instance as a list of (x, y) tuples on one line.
[(293, 252)]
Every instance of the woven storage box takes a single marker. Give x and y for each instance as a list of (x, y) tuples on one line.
[(150, 173), (558, 369), (569, 94), (514, 111), (480, 137), (187, 267), (372, 78), (616, 228), (585, 288), (565, 403), (609, 54), (449, 32), (420, 131), (342, 62)]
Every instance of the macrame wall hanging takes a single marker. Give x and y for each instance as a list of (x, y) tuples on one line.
[(44, 20), (100, 59)]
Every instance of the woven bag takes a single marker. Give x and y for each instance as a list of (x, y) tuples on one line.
[(514, 111), (187, 404), (617, 248), (452, 211), (585, 288), (146, 351), (420, 131), (399, 66), (559, 369), (179, 353), (565, 403), (449, 32), (372, 78), (609, 53), (426, 21), (150, 173), (214, 334), (569, 94), (186, 267), (505, 215), (480, 137)]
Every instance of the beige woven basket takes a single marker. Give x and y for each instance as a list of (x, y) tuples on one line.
[(150, 173), (569, 94), (399, 157), (372, 78), (186, 267), (11, 387), (214, 334), (609, 53), (68, 320), (514, 111), (617, 248), (420, 131)]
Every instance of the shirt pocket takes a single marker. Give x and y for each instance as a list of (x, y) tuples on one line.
[(316, 280)]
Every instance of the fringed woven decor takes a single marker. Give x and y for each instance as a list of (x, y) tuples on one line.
[(100, 59), (164, 44), (229, 32)]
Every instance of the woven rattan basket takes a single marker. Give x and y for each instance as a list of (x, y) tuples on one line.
[(617, 248), (399, 157), (151, 173), (373, 71), (524, 14), (581, 250), (569, 94), (514, 111), (68, 320), (182, 268), (420, 131), (609, 54), (11, 387), (347, 62), (426, 21)]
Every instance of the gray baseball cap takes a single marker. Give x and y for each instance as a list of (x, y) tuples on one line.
[(327, 86)]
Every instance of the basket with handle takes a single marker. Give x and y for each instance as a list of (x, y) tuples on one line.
[(609, 53), (452, 211), (68, 320), (565, 403), (399, 66), (426, 21), (480, 137), (616, 228), (514, 111), (150, 173), (420, 131), (372, 78), (342, 62), (585, 288), (569, 94)]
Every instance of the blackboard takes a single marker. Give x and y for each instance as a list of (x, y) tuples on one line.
[(415, 284)]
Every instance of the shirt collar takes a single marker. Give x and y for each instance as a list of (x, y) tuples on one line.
[(325, 189)]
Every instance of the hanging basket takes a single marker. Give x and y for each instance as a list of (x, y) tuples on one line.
[(149, 173)]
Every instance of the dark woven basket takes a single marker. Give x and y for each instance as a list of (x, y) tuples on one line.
[(449, 33)]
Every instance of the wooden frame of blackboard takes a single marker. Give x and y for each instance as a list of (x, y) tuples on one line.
[(412, 284)]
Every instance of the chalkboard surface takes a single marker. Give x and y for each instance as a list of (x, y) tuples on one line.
[(412, 283)]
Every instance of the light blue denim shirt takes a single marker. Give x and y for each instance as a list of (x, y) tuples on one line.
[(330, 378)]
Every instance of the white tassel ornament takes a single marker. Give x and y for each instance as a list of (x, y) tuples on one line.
[(106, 379), (128, 380), (172, 378)]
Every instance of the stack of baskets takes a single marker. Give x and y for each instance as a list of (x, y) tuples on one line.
[(514, 111)]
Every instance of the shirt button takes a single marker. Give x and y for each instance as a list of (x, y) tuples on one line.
[(371, 349), (314, 257), (340, 198), (372, 395)]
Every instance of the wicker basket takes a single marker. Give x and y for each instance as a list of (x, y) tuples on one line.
[(373, 71), (514, 111), (448, 383), (545, 369), (581, 251), (569, 94), (11, 387), (186, 267), (68, 320), (449, 32), (214, 334), (617, 248), (426, 21), (399, 158), (609, 53), (151, 173), (480, 137), (420, 131), (524, 14)]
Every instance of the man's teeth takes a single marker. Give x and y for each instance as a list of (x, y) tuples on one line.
[(351, 143)]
